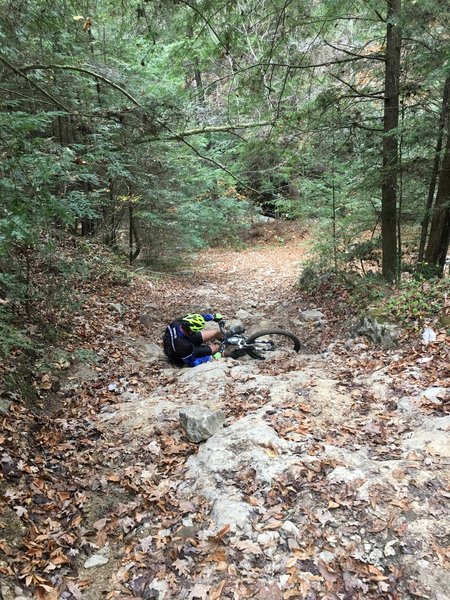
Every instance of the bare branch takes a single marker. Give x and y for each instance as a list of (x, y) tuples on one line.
[(34, 84), (359, 126), (218, 164), (88, 72), (420, 43), (207, 129), (376, 96), (379, 57), (376, 11), (202, 16), (16, 93)]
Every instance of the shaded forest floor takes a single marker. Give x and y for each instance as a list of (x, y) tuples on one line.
[(330, 479)]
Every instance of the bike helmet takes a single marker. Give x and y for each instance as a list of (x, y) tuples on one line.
[(193, 323)]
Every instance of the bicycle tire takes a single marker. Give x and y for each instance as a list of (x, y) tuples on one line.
[(284, 332)]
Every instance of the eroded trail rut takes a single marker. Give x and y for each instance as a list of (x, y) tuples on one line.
[(322, 484)]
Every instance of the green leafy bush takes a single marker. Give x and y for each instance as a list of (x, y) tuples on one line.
[(11, 336), (419, 300)]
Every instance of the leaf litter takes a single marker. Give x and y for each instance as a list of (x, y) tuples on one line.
[(356, 508)]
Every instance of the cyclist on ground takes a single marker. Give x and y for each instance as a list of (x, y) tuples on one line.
[(186, 342)]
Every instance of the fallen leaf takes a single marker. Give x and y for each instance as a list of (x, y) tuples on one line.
[(248, 546), (389, 548), (199, 592), (182, 566), (216, 592), (127, 524), (218, 555), (223, 532), (377, 526), (146, 543), (100, 524), (326, 572), (60, 559), (398, 474), (5, 548), (270, 592), (21, 511)]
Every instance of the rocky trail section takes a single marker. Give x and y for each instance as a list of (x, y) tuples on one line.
[(316, 485), (329, 478)]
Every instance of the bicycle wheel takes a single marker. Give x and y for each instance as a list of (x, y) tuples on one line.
[(283, 339)]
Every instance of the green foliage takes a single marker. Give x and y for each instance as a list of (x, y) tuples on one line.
[(33, 177), (262, 167), (11, 336), (413, 304), (162, 55), (13, 296), (357, 290), (85, 356), (417, 301), (85, 154), (218, 216), (219, 221)]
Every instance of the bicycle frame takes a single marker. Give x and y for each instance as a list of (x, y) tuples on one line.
[(235, 337), (232, 336)]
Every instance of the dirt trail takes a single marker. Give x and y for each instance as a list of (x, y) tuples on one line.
[(322, 483), (327, 480), (260, 276)]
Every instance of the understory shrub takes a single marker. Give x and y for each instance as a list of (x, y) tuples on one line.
[(417, 301)]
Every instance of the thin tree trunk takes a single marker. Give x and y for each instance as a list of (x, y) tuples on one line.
[(390, 147), (435, 170), (400, 195), (130, 231), (87, 225), (28, 269), (199, 83), (60, 130), (91, 47), (133, 235), (110, 217), (334, 211), (438, 242)]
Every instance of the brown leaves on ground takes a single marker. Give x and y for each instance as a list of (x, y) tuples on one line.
[(74, 484)]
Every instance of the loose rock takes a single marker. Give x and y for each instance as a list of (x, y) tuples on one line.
[(96, 560), (201, 423), (311, 315)]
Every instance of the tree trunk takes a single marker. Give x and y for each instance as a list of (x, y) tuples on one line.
[(133, 233), (91, 47), (438, 242), (110, 217), (390, 147), (87, 225), (435, 170), (199, 83)]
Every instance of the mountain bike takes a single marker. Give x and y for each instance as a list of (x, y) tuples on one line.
[(257, 345)]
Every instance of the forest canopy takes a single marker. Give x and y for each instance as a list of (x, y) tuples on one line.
[(157, 128)]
